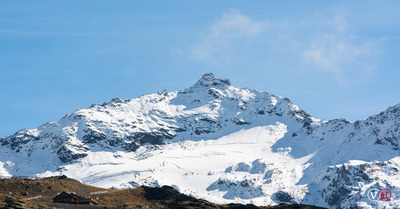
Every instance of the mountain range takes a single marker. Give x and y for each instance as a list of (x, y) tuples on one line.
[(220, 143)]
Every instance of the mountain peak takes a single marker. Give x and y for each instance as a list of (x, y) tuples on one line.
[(209, 79)]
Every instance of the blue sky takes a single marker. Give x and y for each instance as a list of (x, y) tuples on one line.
[(334, 59)]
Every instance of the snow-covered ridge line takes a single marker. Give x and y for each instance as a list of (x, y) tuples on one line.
[(214, 141)]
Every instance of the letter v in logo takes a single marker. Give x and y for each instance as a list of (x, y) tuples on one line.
[(373, 194), (385, 194)]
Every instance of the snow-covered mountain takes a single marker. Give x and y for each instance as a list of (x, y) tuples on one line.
[(217, 142)]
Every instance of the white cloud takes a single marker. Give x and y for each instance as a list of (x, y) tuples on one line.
[(344, 55), (322, 43), (332, 52), (222, 33)]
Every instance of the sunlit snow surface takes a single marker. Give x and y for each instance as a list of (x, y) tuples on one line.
[(206, 168), (220, 143)]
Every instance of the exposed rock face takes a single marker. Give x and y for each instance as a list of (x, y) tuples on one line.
[(170, 198)]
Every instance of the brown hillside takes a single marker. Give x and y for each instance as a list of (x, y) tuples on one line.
[(39, 193)]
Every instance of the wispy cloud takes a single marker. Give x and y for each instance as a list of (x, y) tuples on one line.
[(323, 44), (220, 37), (341, 53)]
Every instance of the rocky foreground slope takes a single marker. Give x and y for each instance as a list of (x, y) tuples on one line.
[(217, 142)]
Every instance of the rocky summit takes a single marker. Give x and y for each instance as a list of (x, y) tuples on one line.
[(220, 143)]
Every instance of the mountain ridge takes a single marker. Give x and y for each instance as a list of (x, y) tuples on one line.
[(211, 114)]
